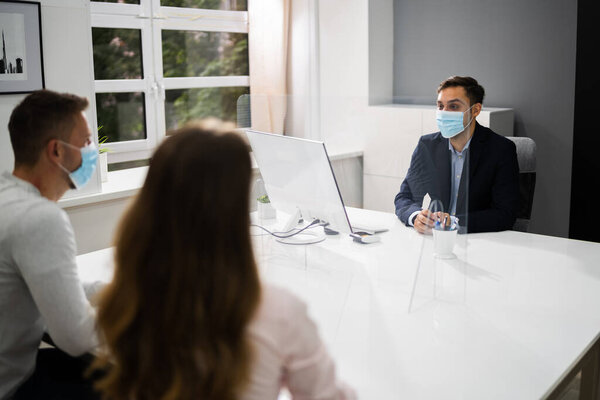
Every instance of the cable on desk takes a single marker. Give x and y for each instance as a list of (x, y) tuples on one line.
[(313, 224)]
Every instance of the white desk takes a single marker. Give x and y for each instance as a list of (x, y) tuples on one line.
[(511, 318)]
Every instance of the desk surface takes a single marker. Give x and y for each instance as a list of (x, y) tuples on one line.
[(507, 319)]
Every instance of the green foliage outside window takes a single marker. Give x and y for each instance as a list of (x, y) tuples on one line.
[(193, 53), (122, 116), (197, 53), (186, 104), (117, 53), (233, 5)]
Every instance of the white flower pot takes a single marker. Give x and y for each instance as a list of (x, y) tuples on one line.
[(265, 210), (103, 161)]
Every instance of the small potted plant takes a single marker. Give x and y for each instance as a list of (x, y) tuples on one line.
[(264, 207)]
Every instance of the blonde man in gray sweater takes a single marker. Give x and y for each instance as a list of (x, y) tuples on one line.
[(40, 290)]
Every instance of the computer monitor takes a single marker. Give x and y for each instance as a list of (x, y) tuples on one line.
[(297, 175)]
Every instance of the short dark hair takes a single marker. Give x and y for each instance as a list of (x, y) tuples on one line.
[(40, 117), (475, 91)]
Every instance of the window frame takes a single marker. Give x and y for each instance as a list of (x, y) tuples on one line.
[(151, 19)]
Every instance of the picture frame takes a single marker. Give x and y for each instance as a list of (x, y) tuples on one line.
[(21, 58)]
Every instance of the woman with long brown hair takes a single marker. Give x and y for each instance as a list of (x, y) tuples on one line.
[(186, 316)]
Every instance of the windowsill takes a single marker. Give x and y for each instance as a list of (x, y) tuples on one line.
[(126, 183), (120, 184)]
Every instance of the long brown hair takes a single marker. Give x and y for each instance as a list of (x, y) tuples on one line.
[(186, 285)]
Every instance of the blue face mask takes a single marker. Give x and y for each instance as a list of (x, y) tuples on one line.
[(82, 175), (450, 123)]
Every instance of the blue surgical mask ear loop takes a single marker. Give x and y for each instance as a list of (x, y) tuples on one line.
[(471, 120)]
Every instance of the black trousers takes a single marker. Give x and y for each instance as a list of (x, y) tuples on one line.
[(59, 376)]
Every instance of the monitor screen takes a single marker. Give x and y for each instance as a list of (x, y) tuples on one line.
[(298, 175)]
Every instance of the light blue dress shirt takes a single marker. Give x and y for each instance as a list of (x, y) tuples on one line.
[(457, 161)]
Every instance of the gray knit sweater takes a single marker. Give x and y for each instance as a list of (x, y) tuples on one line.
[(39, 284)]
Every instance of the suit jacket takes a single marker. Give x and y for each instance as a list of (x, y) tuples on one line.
[(493, 184)]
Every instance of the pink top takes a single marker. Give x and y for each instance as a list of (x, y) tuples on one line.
[(289, 353)]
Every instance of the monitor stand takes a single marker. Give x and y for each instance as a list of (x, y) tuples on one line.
[(304, 237)]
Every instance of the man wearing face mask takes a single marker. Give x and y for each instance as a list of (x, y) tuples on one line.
[(462, 157), (40, 289)]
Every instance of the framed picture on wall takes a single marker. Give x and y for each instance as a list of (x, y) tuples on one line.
[(21, 66)]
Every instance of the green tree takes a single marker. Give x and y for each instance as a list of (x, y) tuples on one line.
[(194, 53), (117, 55)]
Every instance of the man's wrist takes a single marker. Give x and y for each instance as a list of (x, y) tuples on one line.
[(411, 218)]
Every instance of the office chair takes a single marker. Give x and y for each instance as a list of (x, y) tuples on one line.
[(526, 150)]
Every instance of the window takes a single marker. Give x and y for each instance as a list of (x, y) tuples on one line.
[(160, 63)]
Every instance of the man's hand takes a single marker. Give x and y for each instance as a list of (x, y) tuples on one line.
[(425, 220)]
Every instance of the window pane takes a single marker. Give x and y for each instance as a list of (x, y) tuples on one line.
[(194, 53), (117, 53), (121, 116), (119, 1), (233, 5), (185, 104)]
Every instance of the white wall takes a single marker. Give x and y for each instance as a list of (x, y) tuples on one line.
[(7, 103), (95, 224), (66, 44), (297, 74), (386, 135), (302, 119)]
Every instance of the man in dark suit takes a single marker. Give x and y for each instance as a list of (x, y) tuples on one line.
[(463, 157)]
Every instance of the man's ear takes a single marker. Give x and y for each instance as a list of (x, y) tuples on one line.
[(476, 109), (53, 150)]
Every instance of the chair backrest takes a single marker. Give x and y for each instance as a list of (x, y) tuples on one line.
[(526, 156)]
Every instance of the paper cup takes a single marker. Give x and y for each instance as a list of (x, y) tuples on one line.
[(443, 243)]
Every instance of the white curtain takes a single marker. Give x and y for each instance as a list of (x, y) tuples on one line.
[(268, 51)]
